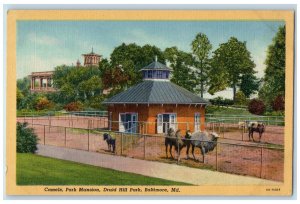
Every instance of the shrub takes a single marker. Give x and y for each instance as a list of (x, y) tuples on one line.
[(219, 101), (278, 103), (256, 106), (26, 139), (240, 98), (74, 106), (43, 103)]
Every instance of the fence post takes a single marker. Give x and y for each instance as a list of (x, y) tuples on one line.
[(177, 140), (65, 136), (121, 143), (44, 134), (144, 146), (217, 157), (88, 140), (261, 154)]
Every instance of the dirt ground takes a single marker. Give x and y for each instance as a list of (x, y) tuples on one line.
[(231, 154)]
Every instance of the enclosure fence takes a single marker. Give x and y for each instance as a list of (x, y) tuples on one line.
[(257, 160)]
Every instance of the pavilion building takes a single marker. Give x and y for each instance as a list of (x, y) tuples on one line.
[(156, 104)]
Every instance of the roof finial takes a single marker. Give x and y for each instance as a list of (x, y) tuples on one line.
[(92, 49), (155, 58)]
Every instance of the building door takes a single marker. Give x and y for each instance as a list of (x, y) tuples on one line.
[(197, 122), (128, 122), (160, 123), (166, 121)]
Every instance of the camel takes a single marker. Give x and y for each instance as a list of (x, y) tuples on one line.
[(174, 139), (201, 140), (256, 127)]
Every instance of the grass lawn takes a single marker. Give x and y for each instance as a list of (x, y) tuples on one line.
[(38, 170)]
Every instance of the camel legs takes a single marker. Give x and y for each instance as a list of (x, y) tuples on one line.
[(193, 148), (203, 153), (187, 151), (167, 151), (171, 151)]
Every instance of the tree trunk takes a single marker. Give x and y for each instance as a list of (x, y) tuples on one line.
[(234, 92)]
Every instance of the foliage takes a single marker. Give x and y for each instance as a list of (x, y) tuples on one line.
[(43, 103), (256, 106), (274, 79), (181, 63), (31, 170), (220, 101), (249, 84), (24, 85), (278, 103), (74, 106), (229, 63), (26, 139), (131, 58), (77, 83), (201, 48), (240, 98)]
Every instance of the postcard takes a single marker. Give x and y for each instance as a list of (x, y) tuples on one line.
[(150, 102)]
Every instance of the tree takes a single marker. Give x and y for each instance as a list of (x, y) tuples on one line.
[(229, 63), (274, 78), (24, 85), (181, 62), (201, 48), (26, 139), (249, 84), (77, 83)]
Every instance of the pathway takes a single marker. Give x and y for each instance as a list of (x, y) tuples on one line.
[(150, 168)]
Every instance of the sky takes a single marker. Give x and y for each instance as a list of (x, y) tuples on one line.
[(43, 45)]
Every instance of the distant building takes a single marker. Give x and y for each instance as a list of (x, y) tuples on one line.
[(43, 81), (91, 59), (156, 104)]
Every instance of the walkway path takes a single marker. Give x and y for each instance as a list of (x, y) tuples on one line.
[(150, 168)]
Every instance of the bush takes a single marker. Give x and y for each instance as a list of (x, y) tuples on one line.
[(256, 106), (219, 101), (74, 106), (43, 103), (240, 98), (26, 139), (278, 103)]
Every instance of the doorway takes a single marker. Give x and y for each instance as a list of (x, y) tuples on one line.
[(166, 121), (128, 122)]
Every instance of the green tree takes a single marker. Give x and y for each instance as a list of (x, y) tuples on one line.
[(181, 63), (24, 85), (229, 63), (274, 78), (77, 83), (249, 84), (201, 49)]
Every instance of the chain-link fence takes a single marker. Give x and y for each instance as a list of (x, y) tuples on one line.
[(258, 160)]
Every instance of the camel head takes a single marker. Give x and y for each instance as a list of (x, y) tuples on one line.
[(178, 133), (214, 135), (188, 134)]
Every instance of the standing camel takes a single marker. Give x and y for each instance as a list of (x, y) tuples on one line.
[(174, 139), (201, 140)]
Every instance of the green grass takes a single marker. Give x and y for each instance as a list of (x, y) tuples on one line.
[(38, 170)]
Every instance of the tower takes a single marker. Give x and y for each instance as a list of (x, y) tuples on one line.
[(91, 59), (78, 64)]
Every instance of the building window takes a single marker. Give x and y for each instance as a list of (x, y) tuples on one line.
[(159, 75), (150, 74)]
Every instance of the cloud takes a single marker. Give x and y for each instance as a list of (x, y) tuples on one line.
[(42, 39)]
